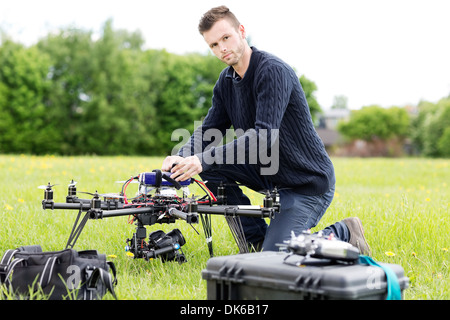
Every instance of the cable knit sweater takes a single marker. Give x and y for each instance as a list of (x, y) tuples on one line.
[(269, 97)]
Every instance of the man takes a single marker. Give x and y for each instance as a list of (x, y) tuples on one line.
[(261, 96)]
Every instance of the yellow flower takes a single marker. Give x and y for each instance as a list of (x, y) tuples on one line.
[(130, 254), (445, 249), (413, 254), (20, 200), (389, 253), (427, 199), (8, 207), (112, 256)]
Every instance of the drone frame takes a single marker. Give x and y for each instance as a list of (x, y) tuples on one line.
[(159, 208)]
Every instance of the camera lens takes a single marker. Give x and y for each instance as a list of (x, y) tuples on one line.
[(176, 236)]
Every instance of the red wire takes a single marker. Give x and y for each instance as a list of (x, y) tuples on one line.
[(139, 204), (209, 191), (124, 188)]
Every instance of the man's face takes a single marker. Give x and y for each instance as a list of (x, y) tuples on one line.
[(226, 42)]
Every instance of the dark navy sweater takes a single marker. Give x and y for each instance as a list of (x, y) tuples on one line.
[(266, 105)]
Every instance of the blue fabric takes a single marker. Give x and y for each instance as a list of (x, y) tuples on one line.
[(270, 99), (393, 286)]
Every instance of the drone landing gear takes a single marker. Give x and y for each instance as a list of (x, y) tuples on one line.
[(206, 224), (77, 228)]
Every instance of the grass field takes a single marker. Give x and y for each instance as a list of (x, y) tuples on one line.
[(403, 203)]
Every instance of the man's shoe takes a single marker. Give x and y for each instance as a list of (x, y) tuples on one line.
[(357, 238)]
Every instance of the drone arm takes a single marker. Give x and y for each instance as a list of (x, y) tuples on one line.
[(190, 217), (120, 212), (235, 211), (66, 206), (83, 205)]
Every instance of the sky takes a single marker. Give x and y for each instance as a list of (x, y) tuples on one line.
[(384, 52)]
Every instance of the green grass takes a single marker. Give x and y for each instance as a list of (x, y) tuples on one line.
[(403, 203)]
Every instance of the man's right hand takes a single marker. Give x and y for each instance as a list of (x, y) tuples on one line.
[(169, 162)]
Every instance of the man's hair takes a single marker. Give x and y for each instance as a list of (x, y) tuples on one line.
[(214, 15)]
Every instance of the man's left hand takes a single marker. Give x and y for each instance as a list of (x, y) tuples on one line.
[(187, 168)]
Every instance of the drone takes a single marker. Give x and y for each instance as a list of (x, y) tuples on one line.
[(158, 200)]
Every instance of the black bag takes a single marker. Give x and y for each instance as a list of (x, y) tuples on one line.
[(58, 275)]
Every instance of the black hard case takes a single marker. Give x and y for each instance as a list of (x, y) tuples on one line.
[(268, 276)]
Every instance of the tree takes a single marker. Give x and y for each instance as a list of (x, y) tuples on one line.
[(70, 75), (186, 95), (431, 128), (24, 84), (309, 87), (123, 113), (374, 121), (99, 91), (444, 143), (73, 93), (340, 102)]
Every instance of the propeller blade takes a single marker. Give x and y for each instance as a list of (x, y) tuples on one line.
[(92, 194), (112, 195), (72, 183), (47, 186)]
